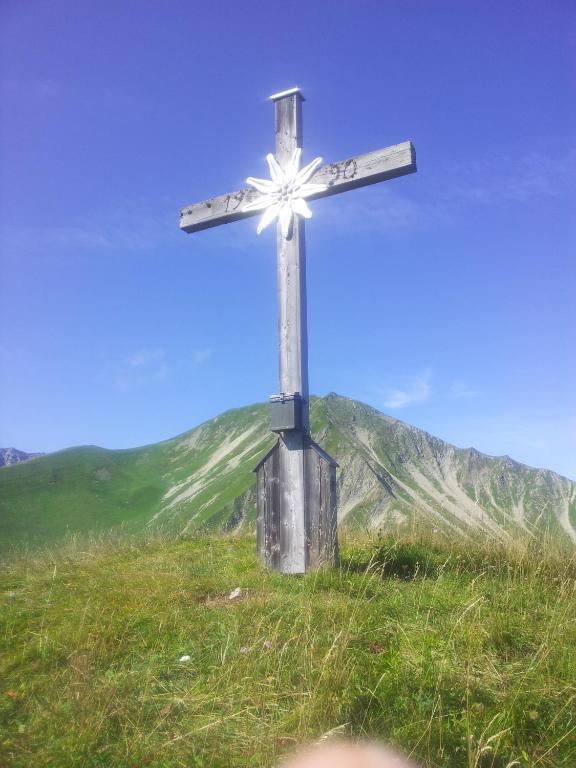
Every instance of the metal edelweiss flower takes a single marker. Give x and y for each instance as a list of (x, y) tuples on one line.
[(284, 195)]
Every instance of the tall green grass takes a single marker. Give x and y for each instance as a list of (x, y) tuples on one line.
[(463, 654)]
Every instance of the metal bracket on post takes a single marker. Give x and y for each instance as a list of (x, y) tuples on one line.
[(286, 412)]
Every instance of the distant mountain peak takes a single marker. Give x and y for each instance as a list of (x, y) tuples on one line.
[(10, 456)]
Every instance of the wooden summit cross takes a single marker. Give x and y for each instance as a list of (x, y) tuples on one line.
[(296, 481)]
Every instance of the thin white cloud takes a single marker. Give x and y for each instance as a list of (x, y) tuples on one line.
[(461, 391), (200, 356), (145, 357), (451, 190), (82, 237), (369, 210), (123, 382), (417, 389), (151, 364), (161, 372), (131, 226), (139, 368), (504, 179), (38, 89)]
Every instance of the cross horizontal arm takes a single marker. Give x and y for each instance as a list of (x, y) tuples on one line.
[(359, 171)]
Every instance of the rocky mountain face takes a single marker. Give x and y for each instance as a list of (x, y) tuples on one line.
[(14, 456), (390, 474)]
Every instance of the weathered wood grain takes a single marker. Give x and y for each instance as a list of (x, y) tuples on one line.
[(359, 171), (268, 509), (274, 507), (321, 523), (293, 347)]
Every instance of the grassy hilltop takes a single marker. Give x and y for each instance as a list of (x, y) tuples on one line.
[(464, 655)]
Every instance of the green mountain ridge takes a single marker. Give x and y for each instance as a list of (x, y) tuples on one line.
[(390, 474)]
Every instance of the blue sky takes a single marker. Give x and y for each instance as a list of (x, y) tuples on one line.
[(445, 298)]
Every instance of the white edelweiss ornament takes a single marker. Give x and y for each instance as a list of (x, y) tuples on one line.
[(284, 195)]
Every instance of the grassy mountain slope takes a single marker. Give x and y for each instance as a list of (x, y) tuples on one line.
[(464, 654), (93, 489), (390, 474)]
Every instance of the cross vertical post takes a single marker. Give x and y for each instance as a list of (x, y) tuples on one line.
[(292, 347), (296, 480), (291, 264)]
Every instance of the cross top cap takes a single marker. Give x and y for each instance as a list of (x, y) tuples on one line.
[(289, 92)]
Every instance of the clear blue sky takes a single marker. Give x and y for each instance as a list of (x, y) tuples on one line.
[(445, 298)]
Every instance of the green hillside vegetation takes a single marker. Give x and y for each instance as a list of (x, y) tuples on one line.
[(465, 656), (90, 489), (390, 474)]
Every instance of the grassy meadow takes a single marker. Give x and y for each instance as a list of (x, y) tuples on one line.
[(462, 654)]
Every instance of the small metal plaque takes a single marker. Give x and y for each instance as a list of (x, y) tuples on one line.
[(286, 412)]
